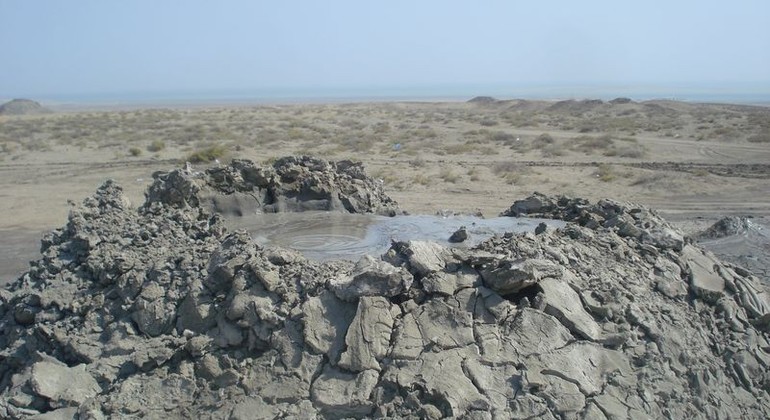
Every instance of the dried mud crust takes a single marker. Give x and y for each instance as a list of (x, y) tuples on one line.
[(161, 313), (294, 183)]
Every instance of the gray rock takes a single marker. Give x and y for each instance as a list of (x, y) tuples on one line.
[(671, 288), (448, 283), (564, 303), (161, 395), (534, 332), (506, 276), (664, 238), (460, 235), (372, 277), (253, 407), (326, 319), (423, 257), (497, 382), (342, 394), (409, 343), (755, 299), (534, 204), (442, 376), (629, 229), (368, 337), (195, 314), (153, 317), (62, 385), (584, 364), (529, 406), (67, 413), (704, 280), (564, 396), (668, 278), (275, 383), (443, 325), (433, 324)]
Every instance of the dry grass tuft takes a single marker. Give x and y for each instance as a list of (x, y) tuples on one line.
[(209, 154)]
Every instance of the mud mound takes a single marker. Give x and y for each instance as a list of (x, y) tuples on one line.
[(22, 107), (635, 222), (726, 226), (295, 183), (161, 313)]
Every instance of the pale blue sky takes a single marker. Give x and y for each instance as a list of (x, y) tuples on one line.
[(85, 47)]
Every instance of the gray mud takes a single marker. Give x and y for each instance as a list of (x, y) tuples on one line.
[(324, 236), (162, 312), (741, 241)]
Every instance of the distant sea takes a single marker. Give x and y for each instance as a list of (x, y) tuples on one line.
[(735, 93)]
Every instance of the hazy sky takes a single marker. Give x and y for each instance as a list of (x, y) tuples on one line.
[(76, 46)]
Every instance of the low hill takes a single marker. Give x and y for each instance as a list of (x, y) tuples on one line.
[(482, 100), (23, 107)]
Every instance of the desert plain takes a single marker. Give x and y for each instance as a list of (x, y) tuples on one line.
[(694, 163)]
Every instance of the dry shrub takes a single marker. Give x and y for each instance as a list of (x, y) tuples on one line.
[(156, 146), (635, 152), (418, 162), (502, 168), (605, 173), (591, 145), (448, 175), (543, 140), (648, 179), (459, 149), (207, 154), (501, 136), (760, 138), (552, 150), (421, 179)]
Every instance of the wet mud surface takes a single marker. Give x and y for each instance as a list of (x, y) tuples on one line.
[(324, 236)]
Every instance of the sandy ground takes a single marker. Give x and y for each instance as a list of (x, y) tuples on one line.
[(692, 162)]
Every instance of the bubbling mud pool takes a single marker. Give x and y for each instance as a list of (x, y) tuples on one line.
[(324, 236)]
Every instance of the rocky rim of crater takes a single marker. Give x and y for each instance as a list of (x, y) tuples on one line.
[(160, 312)]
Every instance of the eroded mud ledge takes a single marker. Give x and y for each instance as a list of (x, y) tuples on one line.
[(160, 312)]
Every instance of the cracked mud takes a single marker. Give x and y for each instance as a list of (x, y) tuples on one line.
[(161, 312)]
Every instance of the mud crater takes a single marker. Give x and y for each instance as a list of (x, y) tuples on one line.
[(325, 236)]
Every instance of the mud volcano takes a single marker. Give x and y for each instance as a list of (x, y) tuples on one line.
[(162, 312)]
